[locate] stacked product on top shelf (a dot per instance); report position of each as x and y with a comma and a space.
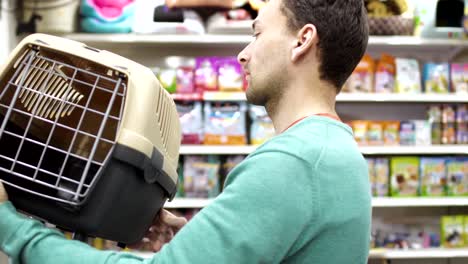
218, 123
421, 234
223, 123
445, 124
402, 75
202, 74
446, 232
386, 75
204, 176
411, 176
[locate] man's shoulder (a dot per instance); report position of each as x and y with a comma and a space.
296, 141
309, 140
302, 149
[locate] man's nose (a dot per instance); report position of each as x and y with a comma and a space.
242, 57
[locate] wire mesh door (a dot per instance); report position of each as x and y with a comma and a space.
59, 117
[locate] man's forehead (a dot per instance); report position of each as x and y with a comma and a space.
263, 13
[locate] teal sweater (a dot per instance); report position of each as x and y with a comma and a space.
302, 197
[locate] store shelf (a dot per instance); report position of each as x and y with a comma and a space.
415, 150
216, 150
376, 202
156, 39
366, 150
420, 202
224, 96
215, 40
402, 98
342, 97
415, 41
438, 253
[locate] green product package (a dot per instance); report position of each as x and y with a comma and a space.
457, 176
404, 179
433, 177
452, 231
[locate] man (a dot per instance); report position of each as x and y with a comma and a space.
302, 197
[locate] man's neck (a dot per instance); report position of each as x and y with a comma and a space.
299, 102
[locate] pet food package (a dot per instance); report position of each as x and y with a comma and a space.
191, 121
433, 177
381, 179
362, 78
435, 120
408, 77
201, 176
206, 76
385, 74
375, 133
262, 128
465, 228
225, 123
371, 171
360, 131
448, 125
452, 230
168, 79
229, 165
180, 184
457, 176
404, 179
232, 162
184, 77
391, 133
462, 124
459, 77
230, 75
422, 132
436, 78
407, 133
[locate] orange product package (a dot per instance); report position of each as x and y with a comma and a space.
375, 133
385, 74
360, 131
362, 78
391, 133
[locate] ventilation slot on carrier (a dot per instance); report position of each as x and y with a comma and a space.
45, 86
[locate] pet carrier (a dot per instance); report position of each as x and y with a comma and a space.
89, 141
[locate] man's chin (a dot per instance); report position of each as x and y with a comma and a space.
255, 98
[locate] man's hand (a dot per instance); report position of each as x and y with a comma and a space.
163, 229
3, 194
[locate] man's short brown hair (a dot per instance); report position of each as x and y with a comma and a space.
342, 30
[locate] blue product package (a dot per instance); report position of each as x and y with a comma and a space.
407, 133
436, 78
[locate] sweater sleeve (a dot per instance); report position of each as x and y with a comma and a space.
256, 219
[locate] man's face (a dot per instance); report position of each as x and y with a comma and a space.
266, 58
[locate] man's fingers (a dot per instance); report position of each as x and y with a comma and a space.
172, 220
3, 194
163, 230
157, 245
137, 246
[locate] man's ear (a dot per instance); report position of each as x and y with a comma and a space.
306, 39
